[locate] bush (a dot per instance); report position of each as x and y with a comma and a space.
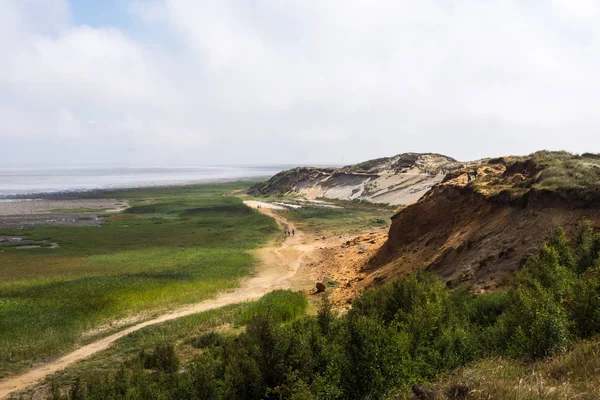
587, 246
376, 358
163, 359
535, 325
209, 339
584, 304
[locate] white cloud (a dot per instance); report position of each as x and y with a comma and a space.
306, 81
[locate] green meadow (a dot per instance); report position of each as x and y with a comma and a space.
172, 246
352, 217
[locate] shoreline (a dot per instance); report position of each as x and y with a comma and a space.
78, 208
78, 194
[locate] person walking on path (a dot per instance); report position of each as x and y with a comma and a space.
293, 232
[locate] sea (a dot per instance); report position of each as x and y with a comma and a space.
22, 183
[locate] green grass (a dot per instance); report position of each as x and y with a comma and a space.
544, 170
352, 217
565, 170
173, 246
281, 305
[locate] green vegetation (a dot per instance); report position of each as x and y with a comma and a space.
186, 334
559, 169
569, 375
279, 305
173, 246
543, 170
408, 332
351, 217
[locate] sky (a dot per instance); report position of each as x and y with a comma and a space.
209, 82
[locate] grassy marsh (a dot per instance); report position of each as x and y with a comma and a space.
173, 246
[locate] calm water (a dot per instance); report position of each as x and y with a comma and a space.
22, 181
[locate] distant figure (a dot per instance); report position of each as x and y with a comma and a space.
468, 177
293, 232
288, 232
475, 173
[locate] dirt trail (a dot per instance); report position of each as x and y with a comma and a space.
278, 264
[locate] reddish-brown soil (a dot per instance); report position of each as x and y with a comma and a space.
337, 263
468, 237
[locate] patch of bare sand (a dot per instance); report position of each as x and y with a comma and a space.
18, 214
337, 262
263, 205
43, 206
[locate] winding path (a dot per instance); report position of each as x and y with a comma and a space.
278, 264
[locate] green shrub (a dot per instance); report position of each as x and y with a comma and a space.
584, 304
209, 339
376, 358
561, 243
587, 246
163, 359
535, 325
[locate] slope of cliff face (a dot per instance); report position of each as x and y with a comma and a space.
398, 180
479, 232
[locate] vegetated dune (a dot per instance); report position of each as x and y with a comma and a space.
478, 233
401, 179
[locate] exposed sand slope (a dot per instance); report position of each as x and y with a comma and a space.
402, 179
278, 264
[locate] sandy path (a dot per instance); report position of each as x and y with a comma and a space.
278, 264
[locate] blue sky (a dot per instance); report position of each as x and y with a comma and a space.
188, 82
101, 13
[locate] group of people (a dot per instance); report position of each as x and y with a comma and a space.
258, 206
289, 232
471, 175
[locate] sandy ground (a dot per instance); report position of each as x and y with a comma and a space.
337, 262
43, 206
264, 206
18, 214
278, 264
